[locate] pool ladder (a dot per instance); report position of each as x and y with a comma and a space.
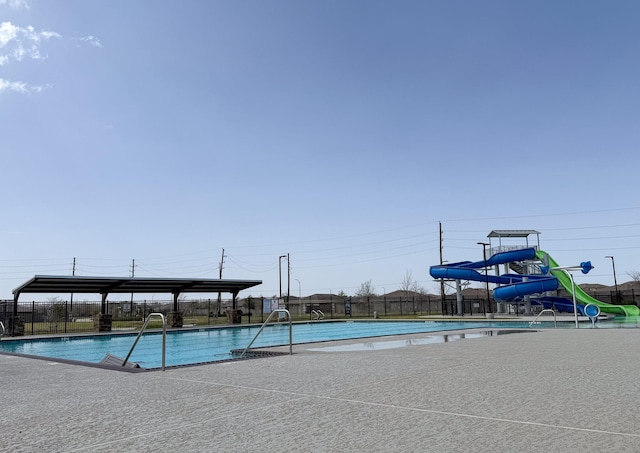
279, 310
164, 337
546, 310
316, 315
4, 330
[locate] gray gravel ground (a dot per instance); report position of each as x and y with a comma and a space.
558, 390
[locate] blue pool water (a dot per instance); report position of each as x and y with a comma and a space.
188, 347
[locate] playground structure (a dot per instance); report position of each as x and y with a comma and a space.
530, 277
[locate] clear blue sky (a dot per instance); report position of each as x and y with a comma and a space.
340, 132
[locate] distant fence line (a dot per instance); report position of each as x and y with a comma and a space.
64, 316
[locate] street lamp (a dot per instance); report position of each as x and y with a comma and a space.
288, 280
486, 274
280, 272
615, 281
585, 267
299, 293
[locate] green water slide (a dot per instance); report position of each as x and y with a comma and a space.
581, 296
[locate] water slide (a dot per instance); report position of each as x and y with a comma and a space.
581, 296
515, 285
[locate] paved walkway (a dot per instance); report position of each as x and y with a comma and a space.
559, 390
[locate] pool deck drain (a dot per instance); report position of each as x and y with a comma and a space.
554, 390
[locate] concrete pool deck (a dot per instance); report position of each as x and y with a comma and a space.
551, 390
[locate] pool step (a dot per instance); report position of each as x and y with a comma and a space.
110, 359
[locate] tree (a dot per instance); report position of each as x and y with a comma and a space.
635, 275
366, 289
410, 284
56, 313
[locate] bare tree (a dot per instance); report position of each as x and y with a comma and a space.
635, 275
410, 284
366, 289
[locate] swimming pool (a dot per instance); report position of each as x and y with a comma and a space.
188, 347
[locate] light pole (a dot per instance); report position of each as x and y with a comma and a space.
585, 267
486, 274
288, 280
299, 293
615, 281
280, 272
299, 289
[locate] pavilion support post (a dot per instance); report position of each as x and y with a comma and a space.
234, 316
102, 321
175, 317
17, 323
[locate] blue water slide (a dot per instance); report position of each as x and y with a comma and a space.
534, 285
464, 270
466, 273
508, 257
560, 304
515, 285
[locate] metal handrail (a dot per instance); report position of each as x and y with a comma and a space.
4, 329
317, 315
279, 310
546, 310
321, 315
164, 337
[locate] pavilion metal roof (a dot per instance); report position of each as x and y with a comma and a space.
105, 285
511, 233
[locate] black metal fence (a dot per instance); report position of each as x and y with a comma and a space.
64, 316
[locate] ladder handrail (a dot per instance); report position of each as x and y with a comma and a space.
547, 310
4, 329
164, 337
278, 310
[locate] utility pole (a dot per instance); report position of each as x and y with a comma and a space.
280, 275
133, 274
486, 275
442, 304
220, 266
73, 273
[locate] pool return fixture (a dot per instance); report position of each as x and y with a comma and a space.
288, 316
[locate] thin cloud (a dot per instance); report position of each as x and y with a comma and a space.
16, 4
19, 43
92, 40
21, 87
